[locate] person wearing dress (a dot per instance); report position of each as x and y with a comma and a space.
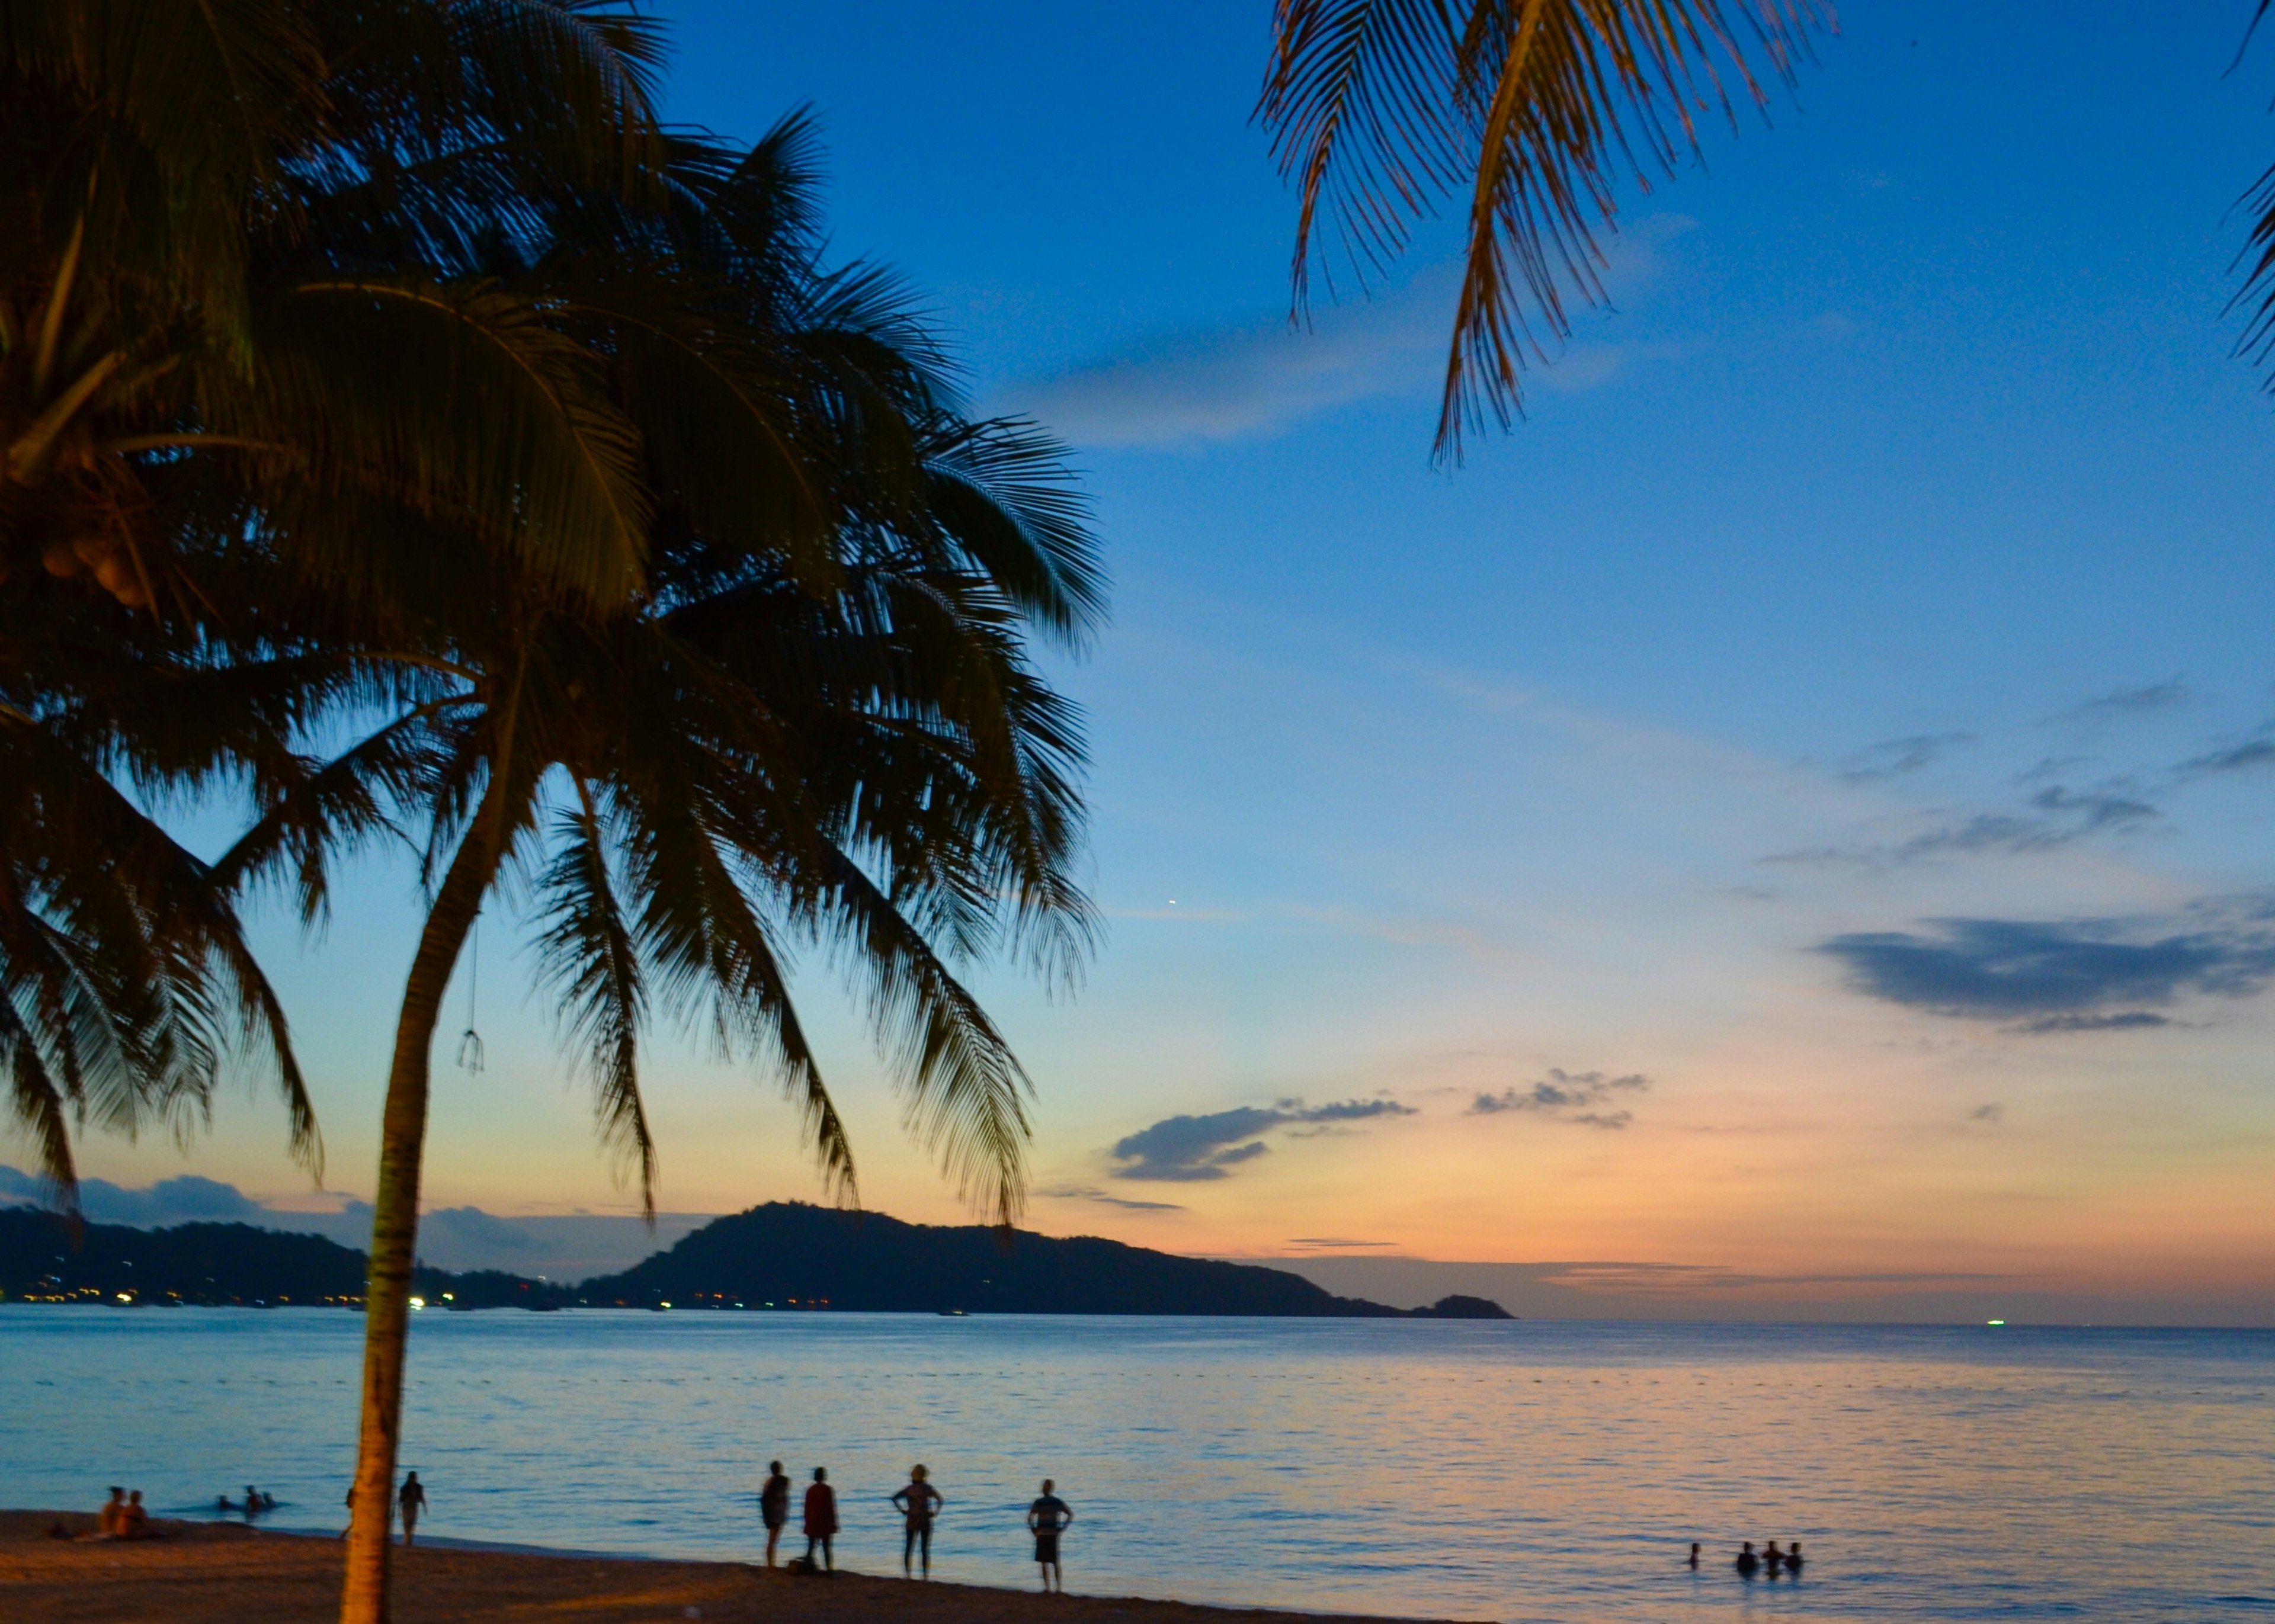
821, 1519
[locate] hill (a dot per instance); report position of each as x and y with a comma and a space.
785, 1255
792, 1254
41, 1259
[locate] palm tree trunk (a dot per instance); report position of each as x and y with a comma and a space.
395, 1219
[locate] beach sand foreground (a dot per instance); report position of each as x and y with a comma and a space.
220, 1574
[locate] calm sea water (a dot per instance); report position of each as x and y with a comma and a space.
1528, 1471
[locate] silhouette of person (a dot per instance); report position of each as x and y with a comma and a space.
133, 1521
821, 1519
774, 1507
252, 1502
1793, 1559
107, 1524
1773, 1558
918, 1503
412, 1501
1694, 1553
1047, 1520
1747, 1562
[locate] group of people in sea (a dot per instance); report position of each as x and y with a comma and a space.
919, 1502
254, 1504
1770, 1562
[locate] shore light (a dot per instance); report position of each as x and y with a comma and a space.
419, 1303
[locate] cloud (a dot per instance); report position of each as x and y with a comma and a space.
2124, 1020
1083, 1192
1258, 378
1992, 1112
1569, 1097
1897, 756
2060, 817
1330, 1243
186, 1199
2243, 758
1196, 1149
2056, 976
2170, 694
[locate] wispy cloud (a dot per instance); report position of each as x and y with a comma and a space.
2170, 694
2249, 755
1991, 1113
1084, 1192
2057, 816
1897, 758
1567, 1097
2056, 976
1259, 377
1184, 1149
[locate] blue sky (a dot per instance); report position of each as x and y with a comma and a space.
1895, 554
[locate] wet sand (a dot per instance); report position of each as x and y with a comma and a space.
222, 1574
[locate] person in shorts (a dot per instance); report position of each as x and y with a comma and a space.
409, 1503
774, 1507
1047, 1520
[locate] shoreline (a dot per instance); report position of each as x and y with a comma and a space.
221, 1573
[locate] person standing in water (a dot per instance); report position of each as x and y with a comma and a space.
917, 1502
774, 1507
1747, 1563
821, 1519
1773, 1558
1793, 1559
1694, 1553
1047, 1520
411, 1502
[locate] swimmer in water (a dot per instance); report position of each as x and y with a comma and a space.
1694, 1553
1793, 1559
1773, 1558
1747, 1563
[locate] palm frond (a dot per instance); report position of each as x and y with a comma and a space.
1536, 108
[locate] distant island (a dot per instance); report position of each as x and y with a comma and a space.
783, 1256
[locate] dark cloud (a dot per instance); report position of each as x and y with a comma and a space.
1083, 1192
2241, 759
1192, 1149
1569, 1097
2165, 696
2094, 810
2124, 1020
2046, 973
1332, 1243
1896, 758
1993, 1113
2059, 817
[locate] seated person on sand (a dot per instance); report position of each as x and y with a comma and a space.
133, 1521
106, 1523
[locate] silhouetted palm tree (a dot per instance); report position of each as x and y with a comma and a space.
233, 360
1529, 110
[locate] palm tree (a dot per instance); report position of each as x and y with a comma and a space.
1531, 109
231, 362
812, 722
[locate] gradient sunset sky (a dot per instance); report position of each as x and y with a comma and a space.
1799, 804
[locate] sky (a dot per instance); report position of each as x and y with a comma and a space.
1788, 825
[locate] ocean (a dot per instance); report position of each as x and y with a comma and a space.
1545, 1471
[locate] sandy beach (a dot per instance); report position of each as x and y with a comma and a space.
220, 1574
